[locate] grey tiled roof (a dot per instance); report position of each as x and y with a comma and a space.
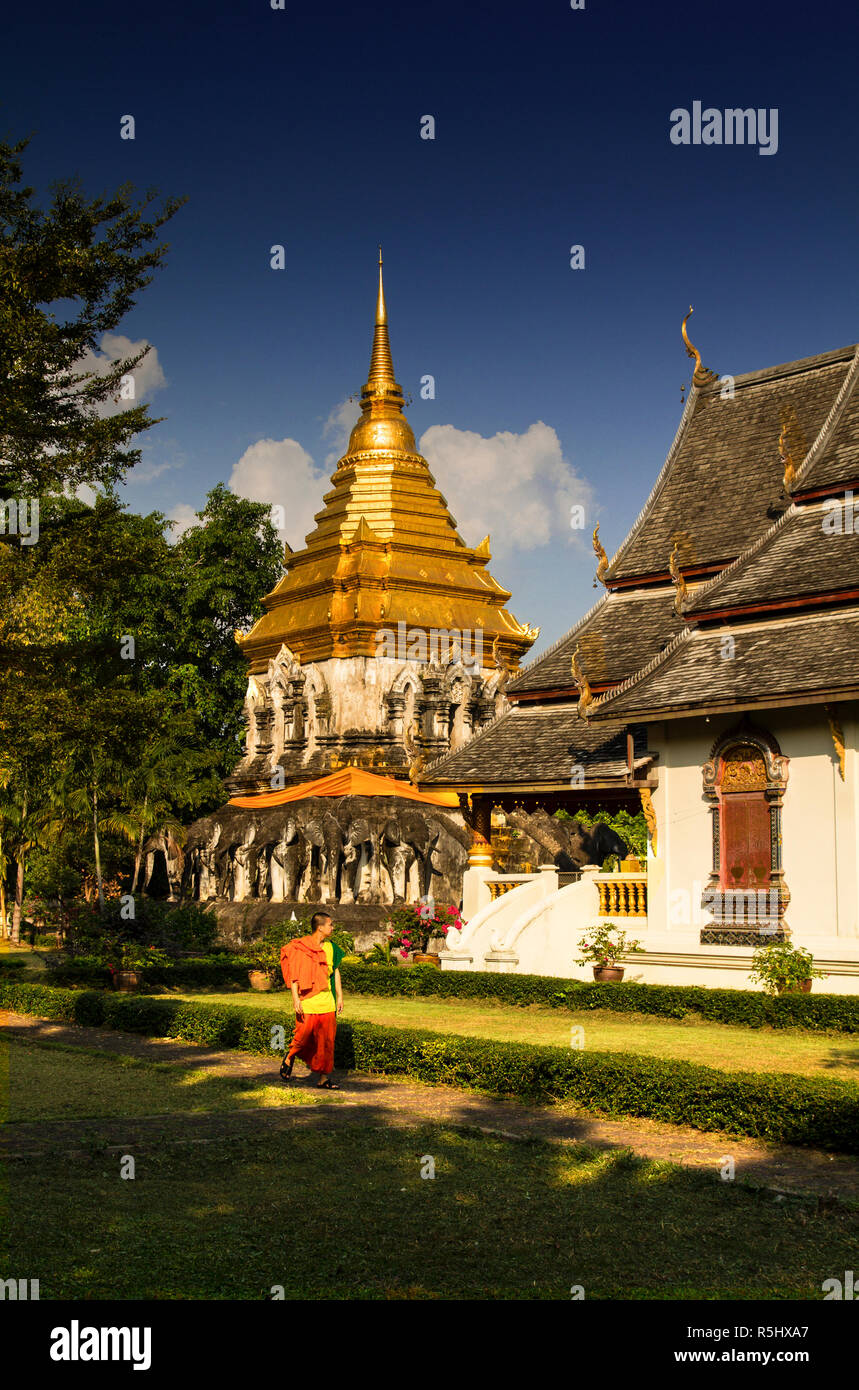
724, 470
777, 659
837, 459
797, 559
537, 743
620, 633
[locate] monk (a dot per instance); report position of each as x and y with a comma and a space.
310, 966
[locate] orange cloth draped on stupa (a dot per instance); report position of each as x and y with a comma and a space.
347, 781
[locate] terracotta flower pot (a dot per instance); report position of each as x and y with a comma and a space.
127, 981
260, 979
426, 958
804, 987
608, 974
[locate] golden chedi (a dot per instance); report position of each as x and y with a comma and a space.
387, 643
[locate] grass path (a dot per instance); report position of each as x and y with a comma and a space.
715, 1045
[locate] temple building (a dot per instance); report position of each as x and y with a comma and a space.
386, 643
715, 684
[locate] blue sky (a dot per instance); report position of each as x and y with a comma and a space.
302, 127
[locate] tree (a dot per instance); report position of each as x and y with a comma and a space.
224, 568
68, 273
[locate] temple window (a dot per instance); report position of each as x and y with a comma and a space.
744, 782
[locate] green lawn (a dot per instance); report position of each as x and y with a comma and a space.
713, 1044
501, 1219
50, 1081
230, 1219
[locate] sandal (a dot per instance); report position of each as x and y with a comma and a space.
286, 1069
327, 1085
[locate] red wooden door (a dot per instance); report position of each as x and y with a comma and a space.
746, 856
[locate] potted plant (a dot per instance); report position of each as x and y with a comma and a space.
128, 962
784, 969
603, 947
265, 963
412, 927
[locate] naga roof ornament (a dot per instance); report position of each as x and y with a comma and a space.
599, 551
702, 376
677, 580
586, 697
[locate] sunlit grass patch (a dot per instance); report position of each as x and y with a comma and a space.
51, 1081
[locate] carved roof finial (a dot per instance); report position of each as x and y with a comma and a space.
649, 815
837, 732
677, 580
785, 455
702, 376
415, 752
500, 665
599, 551
586, 698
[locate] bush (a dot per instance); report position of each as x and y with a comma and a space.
779, 1108
837, 1013
783, 1108
780, 967
171, 927
211, 972
279, 933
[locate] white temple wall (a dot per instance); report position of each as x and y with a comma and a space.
820, 821
680, 871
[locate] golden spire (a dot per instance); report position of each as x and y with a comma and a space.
385, 549
702, 376
381, 363
383, 428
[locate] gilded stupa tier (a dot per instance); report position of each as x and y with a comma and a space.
385, 550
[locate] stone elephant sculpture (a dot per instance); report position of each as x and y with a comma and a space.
164, 842
407, 840
322, 837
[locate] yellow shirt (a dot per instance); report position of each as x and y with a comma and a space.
323, 1002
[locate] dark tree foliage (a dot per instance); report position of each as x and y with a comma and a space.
68, 273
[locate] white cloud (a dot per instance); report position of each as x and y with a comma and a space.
337, 429
282, 473
115, 347
148, 472
517, 487
182, 517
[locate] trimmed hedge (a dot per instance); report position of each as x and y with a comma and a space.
203, 970
751, 1008
838, 1013
775, 1107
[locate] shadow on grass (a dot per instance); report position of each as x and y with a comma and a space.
229, 1205
842, 1057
